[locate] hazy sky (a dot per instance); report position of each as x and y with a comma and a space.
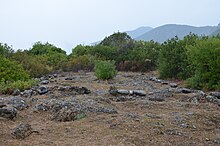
66, 23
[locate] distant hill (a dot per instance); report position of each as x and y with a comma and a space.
165, 32
138, 32
216, 32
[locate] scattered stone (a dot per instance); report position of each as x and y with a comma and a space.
153, 116
184, 90
153, 78
139, 92
27, 93
215, 94
216, 141
44, 82
123, 92
212, 98
158, 81
195, 101
132, 115
16, 92
173, 132
157, 98
17, 102
65, 115
42, 90
69, 78
79, 90
113, 90
164, 83
173, 85
8, 113
124, 98
22, 131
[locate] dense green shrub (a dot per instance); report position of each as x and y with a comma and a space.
11, 71
9, 87
105, 70
205, 59
5, 50
36, 66
77, 63
173, 58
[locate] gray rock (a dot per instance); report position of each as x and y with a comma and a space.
123, 92
27, 93
211, 98
195, 101
157, 98
44, 82
153, 79
184, 90
113, 90
158, 81
215, 94
139, 92
216, 141
65, 115
42, 90
17, 102
8, 113
173, 85
16, 92
22, 131
164, 83
153, 116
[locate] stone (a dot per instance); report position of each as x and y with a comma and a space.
184, 90
81, 90
44, 82
210, 98
16, 92
65, 115
123, 92
27, 93
42, 90
164, 83
113, 90
8, 113
17, 102
153, 116
215, 94
157, 98
22, 131
153, 78
139, 92
173, 85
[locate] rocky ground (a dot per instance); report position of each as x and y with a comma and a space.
132, 109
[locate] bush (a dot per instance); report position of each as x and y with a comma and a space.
9, 87
11, 71
204, 57
105, 70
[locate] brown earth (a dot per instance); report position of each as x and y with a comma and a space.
140, 122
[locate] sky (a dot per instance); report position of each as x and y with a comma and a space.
67, 23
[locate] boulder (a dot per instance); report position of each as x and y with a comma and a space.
16, 92
17, 102
42, 90
123, 92
8, 113
113, 90
65, 115
139, 92
215, 94
27, 93
173, 85
22, 131
44, 82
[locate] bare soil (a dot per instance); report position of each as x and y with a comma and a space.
140, 122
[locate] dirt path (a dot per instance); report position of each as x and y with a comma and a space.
140, 120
